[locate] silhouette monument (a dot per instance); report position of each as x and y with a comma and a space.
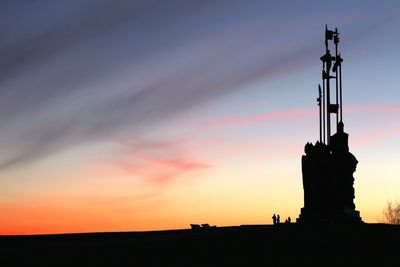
328, 166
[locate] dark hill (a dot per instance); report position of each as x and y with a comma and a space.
264, 245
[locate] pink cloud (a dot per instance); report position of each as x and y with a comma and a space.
159, 162
381, 131
299, 113
374, 136
245, 120
383, 108
159, 171
369, 137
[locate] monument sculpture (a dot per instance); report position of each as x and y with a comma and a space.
328, 166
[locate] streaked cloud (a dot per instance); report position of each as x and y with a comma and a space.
374, 136
245, 120
233, 121
156, 163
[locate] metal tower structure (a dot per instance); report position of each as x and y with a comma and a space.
330, 105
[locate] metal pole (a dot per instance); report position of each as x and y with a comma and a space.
320, 112
328, 117
328, 101
323, 107
337, 93
340, 84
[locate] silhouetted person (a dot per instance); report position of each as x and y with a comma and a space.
278, 219
289, 220
274, 219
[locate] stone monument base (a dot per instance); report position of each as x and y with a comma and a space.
347, 216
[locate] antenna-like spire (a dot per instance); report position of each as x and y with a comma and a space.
332, 106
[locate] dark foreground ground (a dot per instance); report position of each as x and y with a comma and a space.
283, 245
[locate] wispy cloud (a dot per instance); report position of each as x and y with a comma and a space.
299, 113
245, 120
378, 108
374, 136
157, 163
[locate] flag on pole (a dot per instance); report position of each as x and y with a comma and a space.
329, 35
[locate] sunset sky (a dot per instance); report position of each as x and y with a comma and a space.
144, 115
